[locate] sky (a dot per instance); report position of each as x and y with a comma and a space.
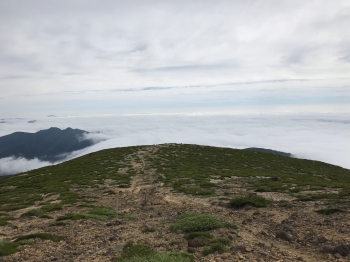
88, 59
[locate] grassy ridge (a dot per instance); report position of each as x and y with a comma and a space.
23, 190
186, 168
189, 168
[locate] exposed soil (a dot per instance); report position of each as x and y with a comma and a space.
258, 237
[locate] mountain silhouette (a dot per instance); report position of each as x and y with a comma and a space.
47, 145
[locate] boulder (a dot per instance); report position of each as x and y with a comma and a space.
198, 242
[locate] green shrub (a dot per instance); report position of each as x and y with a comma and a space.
131, 250
35, 213
58, 224
7, 247
144, 253
253, 200
25, 242
230, 225
198, 234
110, 192
329, 211
161, 257
148, 230
193, 222
100, 213
4, 220
52, 207
45, 236
214, 247
125, 216
221, 240
71, 216
314, 197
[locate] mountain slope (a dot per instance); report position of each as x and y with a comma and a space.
75, 201
45, 145
270, 151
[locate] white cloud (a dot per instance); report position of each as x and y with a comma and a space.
324, 137
11, 165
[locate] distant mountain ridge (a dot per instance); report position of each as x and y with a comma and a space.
270, 151
46, 145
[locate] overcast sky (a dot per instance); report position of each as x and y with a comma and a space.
84, 61
131, 55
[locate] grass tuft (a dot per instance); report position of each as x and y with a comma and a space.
214, 248
35, 213
148, 230
144, 253
197, 234
329, 211
7, 247
194, 222
45, 236
4, 220
252, 200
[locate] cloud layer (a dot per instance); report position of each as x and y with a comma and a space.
323, 137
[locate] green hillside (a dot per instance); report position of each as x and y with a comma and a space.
186, 168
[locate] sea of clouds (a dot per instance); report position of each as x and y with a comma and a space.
324, 137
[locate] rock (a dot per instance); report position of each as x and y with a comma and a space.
248, 249
328, 249
264, 233
145, 226
342, 250
322, 239
235, 231
225, 256
112, 239
191, 250
247, 221
263, 253
293, 216
240, 248
337, 255
284, 235
198, 242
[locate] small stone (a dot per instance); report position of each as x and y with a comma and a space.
191, 250
247, 221
263, 253
284, 235
264, 233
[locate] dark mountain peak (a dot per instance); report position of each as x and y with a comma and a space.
45, 144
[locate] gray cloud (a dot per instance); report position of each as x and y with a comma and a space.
104, 45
